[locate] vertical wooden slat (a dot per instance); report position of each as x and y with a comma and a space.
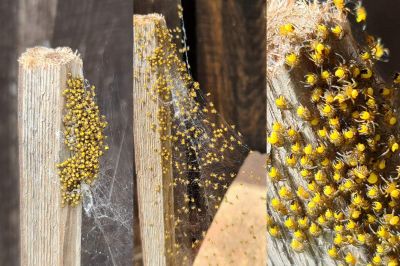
9, 232
237, 233
102, 33
155, 194
36, 20
76, 24
230, 62
50, 234
25, 23
381, 22
284, 82
168, 8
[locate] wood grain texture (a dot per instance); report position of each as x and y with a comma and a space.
102, 33
236, 235
9, 232
36, 20
168, 8
50, 234
19, 32
155, 195
281, 81
231, 63
279, 252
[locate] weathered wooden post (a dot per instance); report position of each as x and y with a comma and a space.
154, 174
288, 83
50, 233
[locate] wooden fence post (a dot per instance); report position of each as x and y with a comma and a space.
154, 177
230, 53
50, 233
288, 83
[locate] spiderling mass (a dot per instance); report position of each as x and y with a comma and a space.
84, 138
351, 172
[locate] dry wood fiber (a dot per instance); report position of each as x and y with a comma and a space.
155, 195
50, 234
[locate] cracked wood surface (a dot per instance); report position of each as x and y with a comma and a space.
50, 233
155, 194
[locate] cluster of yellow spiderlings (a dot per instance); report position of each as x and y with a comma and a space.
84, 139
201, 147
352, 185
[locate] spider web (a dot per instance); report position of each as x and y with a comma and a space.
206, 154
107, 205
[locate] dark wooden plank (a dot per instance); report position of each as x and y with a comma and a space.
383, 22
35, 23
231, 63
102, 33
9, 230
168, 8
25, 23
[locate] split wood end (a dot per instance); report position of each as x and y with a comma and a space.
140, 20
43, 56
305, 16
49, 233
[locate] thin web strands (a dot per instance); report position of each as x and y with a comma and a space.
107, 231
205, 156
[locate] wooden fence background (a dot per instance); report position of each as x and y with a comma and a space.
382, 21
227, 57
8, 139
227, 40
102, 32
230, 55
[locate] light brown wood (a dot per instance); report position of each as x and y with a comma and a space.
279, 252
237, 233
155, 193
50, 233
